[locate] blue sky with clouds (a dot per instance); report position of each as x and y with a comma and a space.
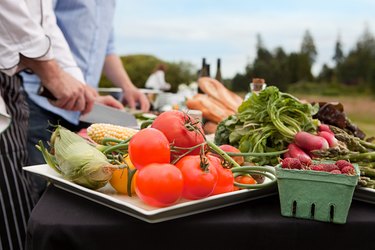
187, 30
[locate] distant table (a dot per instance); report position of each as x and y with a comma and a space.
62, 220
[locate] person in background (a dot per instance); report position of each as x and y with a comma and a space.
88, 29
157, 79
26, 31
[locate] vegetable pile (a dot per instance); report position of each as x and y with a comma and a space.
266, 122
160, 164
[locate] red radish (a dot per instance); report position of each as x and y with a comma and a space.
310, 142
286, 155
325, 127
330, 137
297, 152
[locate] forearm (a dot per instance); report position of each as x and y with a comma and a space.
115, 72
47, 70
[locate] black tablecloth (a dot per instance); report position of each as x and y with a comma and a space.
62, 220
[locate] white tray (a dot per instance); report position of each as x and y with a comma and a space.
133, 206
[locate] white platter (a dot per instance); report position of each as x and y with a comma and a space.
133, 206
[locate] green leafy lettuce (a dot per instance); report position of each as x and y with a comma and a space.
266, 122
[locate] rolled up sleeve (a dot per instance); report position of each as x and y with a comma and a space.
20, 34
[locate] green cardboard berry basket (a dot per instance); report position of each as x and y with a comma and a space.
315, 195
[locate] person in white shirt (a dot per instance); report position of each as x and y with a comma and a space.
157, 79
27, 28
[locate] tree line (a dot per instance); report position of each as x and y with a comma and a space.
356, 68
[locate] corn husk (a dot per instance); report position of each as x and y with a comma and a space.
76, 160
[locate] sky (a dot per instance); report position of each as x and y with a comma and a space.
188, 30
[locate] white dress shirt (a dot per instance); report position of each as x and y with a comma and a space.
28, 27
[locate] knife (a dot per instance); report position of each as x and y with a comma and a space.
101, 113
105, 114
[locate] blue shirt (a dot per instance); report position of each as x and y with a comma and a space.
88, 28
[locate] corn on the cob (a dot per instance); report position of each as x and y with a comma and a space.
98, 131
76, 160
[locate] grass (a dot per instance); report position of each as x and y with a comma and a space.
359, 109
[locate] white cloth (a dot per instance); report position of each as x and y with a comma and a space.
28, 27
157, 81
5, 118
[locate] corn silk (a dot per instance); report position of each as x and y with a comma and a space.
76, 160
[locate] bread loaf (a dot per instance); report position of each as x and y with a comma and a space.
220, 93
211, 109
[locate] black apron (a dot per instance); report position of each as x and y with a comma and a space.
15, 199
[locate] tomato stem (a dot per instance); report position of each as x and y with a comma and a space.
189, 150
223, 154
203, 160
192, 126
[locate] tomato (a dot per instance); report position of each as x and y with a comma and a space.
119, 180
228, 148
159, 185
174, 124
225, 179
147, 146
244, 179
198, 183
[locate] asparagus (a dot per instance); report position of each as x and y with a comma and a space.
353, 143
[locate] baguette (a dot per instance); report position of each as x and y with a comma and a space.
216, 90
211, 109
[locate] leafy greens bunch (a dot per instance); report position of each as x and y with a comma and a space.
266, 122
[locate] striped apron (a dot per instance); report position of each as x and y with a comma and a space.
15, 200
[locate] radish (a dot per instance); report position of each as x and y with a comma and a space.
325, 127
310, 142
330, 137
297, 152
286, 155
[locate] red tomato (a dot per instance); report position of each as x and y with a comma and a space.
225, 179
198, 183
244, 179
159, 185
228, 148
147, 146
174, 124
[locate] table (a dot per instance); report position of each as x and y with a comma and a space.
62, 220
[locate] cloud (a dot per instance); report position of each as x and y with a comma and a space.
172, 33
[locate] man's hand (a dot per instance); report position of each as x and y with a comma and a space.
132, 96
106, 100
70, 93
110, 101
